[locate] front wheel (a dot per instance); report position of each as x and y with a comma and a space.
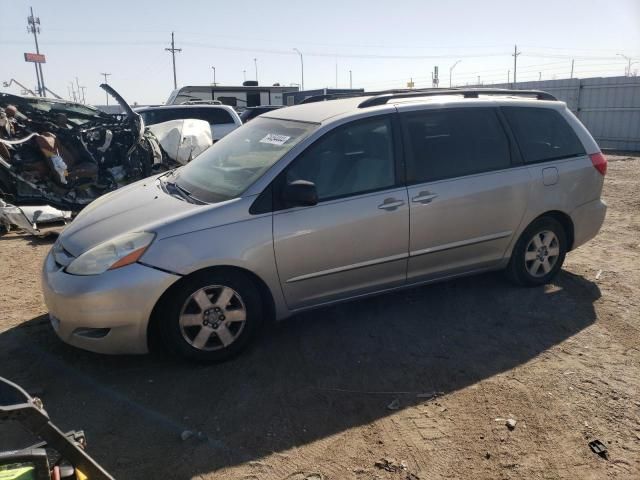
212, 316
539, 253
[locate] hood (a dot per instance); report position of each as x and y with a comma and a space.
141, 206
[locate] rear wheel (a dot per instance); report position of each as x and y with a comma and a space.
212, 316
539, 253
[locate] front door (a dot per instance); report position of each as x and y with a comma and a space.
467, 197
355, 239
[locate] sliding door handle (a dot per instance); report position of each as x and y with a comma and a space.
390, 204
424, 197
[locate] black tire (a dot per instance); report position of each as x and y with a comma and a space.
180, 339
519, 268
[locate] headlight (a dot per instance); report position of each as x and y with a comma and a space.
118, 252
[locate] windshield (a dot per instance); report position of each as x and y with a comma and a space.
227, 168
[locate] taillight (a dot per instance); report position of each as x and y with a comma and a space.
600, 162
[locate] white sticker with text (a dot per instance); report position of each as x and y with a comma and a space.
275, 139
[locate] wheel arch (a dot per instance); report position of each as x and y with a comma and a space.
564, 220
154, 340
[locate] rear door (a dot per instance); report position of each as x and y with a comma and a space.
354, 241
467, 192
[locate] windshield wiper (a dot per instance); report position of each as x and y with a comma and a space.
176, 190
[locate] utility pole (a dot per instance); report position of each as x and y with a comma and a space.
255, 64
301, 68
33, 26
627, 70
73, 92
451, 72
478, 80
571, 68
214, 76
539, 76
173, 51
515, 63
508, 77
106, 80
350, 80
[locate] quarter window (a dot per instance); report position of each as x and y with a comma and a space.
542, 134
453, 143
351, 159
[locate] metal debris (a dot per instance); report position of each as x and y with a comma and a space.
66, 154
28, 218
598, 448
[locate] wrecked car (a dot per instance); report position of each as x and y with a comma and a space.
64, 154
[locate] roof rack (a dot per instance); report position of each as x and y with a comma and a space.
337, 96
383, 98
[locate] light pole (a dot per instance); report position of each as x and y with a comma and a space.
301, 68
451, 71
350, 80
255, 63
214, 76
627, 71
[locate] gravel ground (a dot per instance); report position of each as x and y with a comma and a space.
346, 392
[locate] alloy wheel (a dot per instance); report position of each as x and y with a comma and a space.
542, 253
212, 318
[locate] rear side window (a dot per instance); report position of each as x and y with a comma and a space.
453, 143
213, 115
542, 134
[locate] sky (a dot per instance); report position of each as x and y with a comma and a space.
383, 43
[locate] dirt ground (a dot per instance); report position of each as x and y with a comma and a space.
344, 392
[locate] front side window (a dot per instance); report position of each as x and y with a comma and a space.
454, 142
351, 159
542, 134
232, 164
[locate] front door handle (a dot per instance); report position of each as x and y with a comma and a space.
390, 204
424, 197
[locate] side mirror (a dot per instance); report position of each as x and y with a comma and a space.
300, 193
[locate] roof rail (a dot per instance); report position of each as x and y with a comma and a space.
466, 92
337, 96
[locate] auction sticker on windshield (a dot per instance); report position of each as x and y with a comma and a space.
275, 139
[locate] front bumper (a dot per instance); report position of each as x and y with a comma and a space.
106, 313
587, 221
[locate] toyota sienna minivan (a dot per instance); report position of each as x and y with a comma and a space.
323, 202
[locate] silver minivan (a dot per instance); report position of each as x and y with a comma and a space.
323, 202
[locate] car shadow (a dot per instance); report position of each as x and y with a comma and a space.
310, 377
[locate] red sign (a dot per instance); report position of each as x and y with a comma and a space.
34, 57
